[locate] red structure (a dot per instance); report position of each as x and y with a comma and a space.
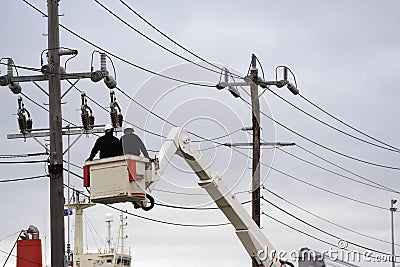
29, 253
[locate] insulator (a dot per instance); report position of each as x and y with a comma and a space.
103, 66
120, 119
114, 118
110, 82
96, 76
10, 64
85, 120
91, 120
22, 122
292, 88
48, 69
15, 88
29, 124
5, 80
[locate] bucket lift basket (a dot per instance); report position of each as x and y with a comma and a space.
119, 179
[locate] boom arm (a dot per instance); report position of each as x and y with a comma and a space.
252, 238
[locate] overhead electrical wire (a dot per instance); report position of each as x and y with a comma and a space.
324, 231
179, 193
173, 41
305, 233
105, 109
326, 190
44, 108
375, 184
23, 178
10, 156
275, 121
344, 169
312, 185
324, 219
4, 238
23, 162
338, 174
348, 125
334, 151
152, 219
163, 76
168, 205
333, 127
323, 146
170, 123
118, 57
21, 67
153, 41
290, 176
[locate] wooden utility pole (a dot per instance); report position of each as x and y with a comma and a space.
56, 147
256, 142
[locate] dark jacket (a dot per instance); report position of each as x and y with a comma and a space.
132, 144
108, 145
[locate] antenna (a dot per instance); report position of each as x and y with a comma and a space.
109, 220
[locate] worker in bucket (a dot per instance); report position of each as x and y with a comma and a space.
108, 144
131, 143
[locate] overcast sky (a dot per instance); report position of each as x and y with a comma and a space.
346, 59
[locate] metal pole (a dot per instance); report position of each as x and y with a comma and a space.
256, 143
56, 149
68, 200
393, 209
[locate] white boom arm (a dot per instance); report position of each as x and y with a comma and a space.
252, 238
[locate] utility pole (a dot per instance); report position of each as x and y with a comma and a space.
393, 209
255, 106
53, 74
56, 147
254, 81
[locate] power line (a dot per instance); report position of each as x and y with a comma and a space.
312, 185
4, 238
156, 220
168, 205
118, 57
323, 231
377, 185
10, 156
21, 67
23, 162
290, 176
105, 109
194, 208
24, 178
326, 190
173, 41
323, 146
332, 127
304, 233
338, 174
170, 123
326, 220
344, 169
41, 106
346, 124
153, 41
179, 193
